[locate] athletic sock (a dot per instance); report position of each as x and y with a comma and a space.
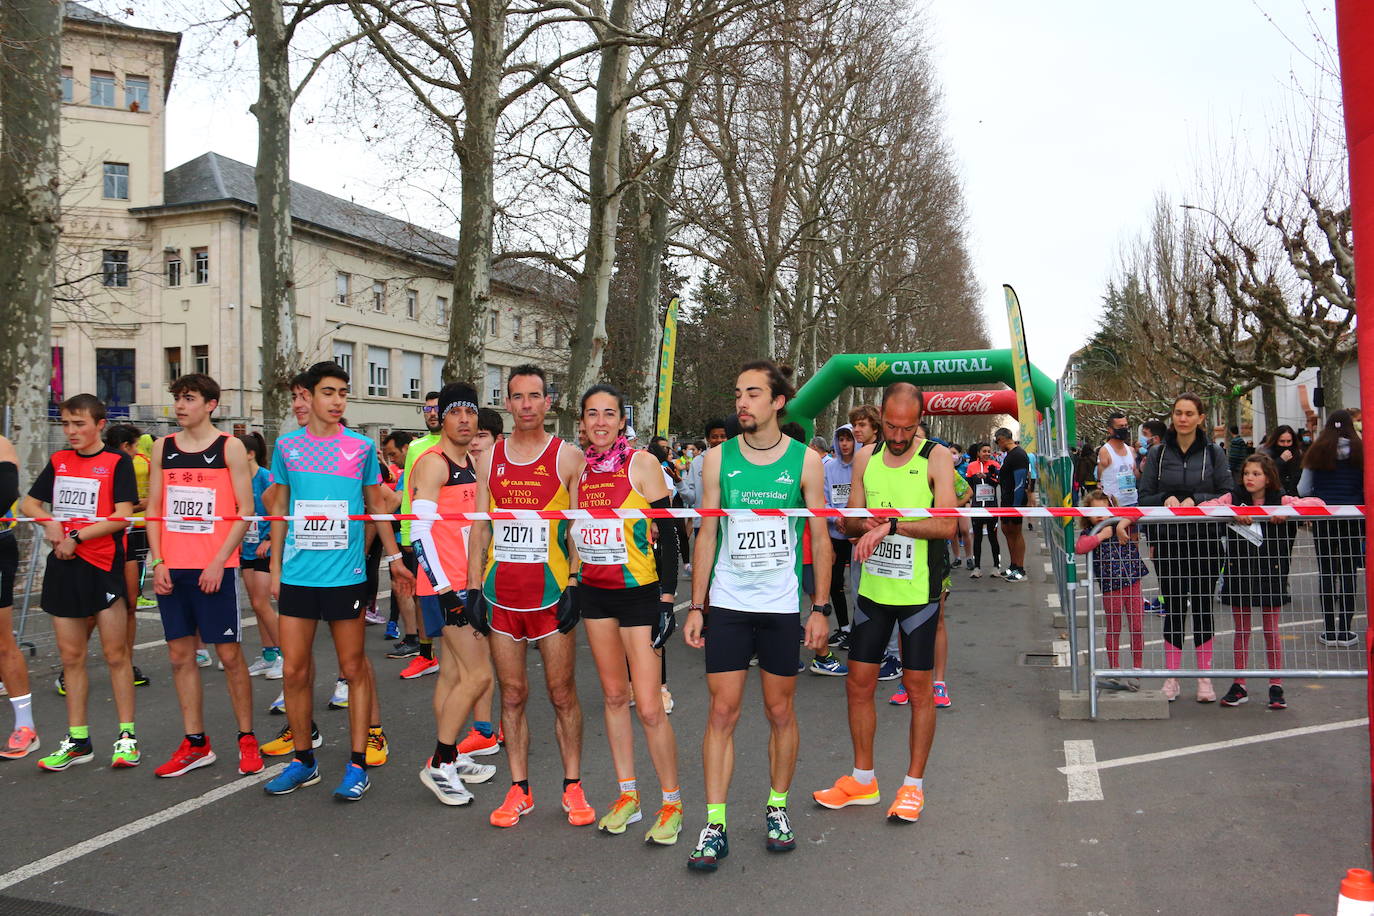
863, 776
917, 781
524, 785
715, 814
427, 649
628, 785
243, 735
486, 729
80, 733
197, 740
23, 711
445, 753
306, 757
270, 653
777, 799
127, 727
570, 782
375, 730
358, 758
672, 796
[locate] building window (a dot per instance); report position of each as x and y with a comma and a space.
410, 375
560, 337
378, 296
136, 93
68, 85
116, 181
114, 268
200, 358
495, 323
173, 364
343, 355
114, 378
412, 303
515, 324
493, 386
441, 309
341, 284
378, 372
102, 89
200, 258
539, 333
174, 269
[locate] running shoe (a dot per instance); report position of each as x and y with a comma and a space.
340, 698
830, 666
1205, 693
405, 648
377, 748
296, 776
125, 752
419, 666
843, 644
202, 658
1347, 638
62, 684
274, 668
969, 562
900, 698
1155, 606
285, 744
477, 744
1170, 689
780, 837
712, 846
976, 573
942, 700
393, 631
186, 758
623, 813
580, 813
278, 707
23, 742
140, 679
470, 770
668, 702
250, 756
354, 784
1276, 700
259, 667
68, 754
374, 616
848, 791
891, 668
667, 825
907, 807
444, 782
144, 602
1236, 696
518, 803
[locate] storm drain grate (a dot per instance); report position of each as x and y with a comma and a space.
1038, 659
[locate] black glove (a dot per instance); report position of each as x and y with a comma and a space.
477, 611
569, 610
665, 626
452, 606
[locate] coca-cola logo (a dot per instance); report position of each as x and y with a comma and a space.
969, 402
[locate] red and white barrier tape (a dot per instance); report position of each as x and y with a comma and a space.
1132, 512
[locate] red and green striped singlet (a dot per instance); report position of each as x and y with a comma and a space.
615, 553
527, 562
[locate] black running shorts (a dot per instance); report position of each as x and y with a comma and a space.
873, 624
733, 637
631, 607
339, 602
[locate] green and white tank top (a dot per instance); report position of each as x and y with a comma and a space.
902, 571
759, 559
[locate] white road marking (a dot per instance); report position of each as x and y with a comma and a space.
1052, 599
1080, 767
1081, 760
133, 828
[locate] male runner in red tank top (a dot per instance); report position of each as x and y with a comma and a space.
200, 471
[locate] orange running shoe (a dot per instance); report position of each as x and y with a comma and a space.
580, 814
518, 803
848, 791
907, 807
477, 744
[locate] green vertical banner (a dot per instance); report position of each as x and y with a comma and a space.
667, 352
1020, 363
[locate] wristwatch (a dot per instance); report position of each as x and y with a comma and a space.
892, 527
693, 606
823, 609
73, 534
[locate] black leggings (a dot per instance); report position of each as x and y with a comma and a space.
991, 525
839, 582
1187, 572
1340, 553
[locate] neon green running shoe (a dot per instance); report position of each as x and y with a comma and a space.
667, 825
69, 753
125, 751
623, 813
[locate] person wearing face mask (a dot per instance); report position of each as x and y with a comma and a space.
1185, 470
1151, 434
1116, 463
1282, 447
1332, 470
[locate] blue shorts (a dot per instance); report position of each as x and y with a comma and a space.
188, 610
433, 614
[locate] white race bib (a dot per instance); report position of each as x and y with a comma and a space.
984, 492
894, 558
75, 497
191, 501
520, 541
328, 534
760, 544
601, 543
839, 495
251, 535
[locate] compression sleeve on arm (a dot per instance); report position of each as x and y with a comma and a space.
665, 557
426, 550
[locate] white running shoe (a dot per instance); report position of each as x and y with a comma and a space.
274, 670
258, 667
202, 658
469, 770
443, 780
340, 698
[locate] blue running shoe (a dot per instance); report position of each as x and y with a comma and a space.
296, 775
891, 668
393, 631
355, 784
830, 665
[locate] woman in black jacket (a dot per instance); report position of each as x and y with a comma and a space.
1283, 447
1333, 469
1185, 470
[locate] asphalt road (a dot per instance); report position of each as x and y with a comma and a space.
1249, 829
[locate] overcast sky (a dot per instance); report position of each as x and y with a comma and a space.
1067, 117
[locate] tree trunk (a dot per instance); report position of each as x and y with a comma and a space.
1333, 395
604, 192
642, 356
1269, 399
30, 140
276, 259
467, 333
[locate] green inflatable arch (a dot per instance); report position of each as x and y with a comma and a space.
957, 367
